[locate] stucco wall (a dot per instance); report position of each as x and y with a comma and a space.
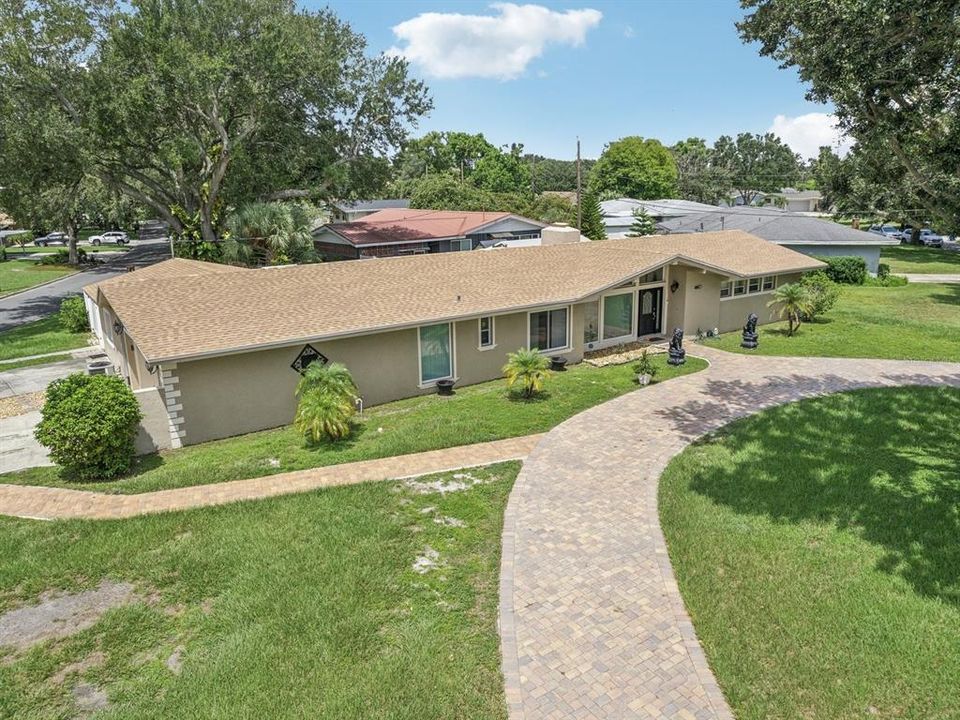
701, 301
734, 311
870, 253
154, 431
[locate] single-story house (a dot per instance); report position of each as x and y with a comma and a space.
618, 215
803, 233
214, 350
390, 232
344, 211
790, 199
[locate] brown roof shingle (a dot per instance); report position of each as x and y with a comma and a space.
171, 317
396, 225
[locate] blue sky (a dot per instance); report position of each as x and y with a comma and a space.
666, 69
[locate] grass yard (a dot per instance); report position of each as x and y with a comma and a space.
920, 260
913, 322
306, 606
17, 275
475, 414
15, 364
816, 548
37, 338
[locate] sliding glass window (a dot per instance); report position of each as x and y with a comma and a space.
548, 329
436, 355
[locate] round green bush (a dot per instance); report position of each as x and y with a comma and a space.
73, 315
89, 423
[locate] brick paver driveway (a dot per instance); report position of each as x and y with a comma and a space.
592, 624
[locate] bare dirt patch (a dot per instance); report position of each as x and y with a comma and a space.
59, 615
20, 404
459, 481
94, 659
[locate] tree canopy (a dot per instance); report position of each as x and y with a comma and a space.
891, 70
756, 163
636, 168
699, 175
187, 107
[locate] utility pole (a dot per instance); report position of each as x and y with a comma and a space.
579, 211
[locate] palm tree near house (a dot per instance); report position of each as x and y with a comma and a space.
326, 408
793, 301
528, 368
261, 233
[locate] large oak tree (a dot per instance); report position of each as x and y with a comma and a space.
189, 105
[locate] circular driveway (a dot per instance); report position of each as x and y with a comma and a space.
592, 623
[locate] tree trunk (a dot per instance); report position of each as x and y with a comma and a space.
74, 258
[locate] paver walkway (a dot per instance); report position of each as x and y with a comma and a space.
46, 503
592, 624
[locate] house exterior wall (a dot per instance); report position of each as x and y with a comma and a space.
701, 299
870, 253
733, 312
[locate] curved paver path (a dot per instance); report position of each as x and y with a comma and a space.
592, 624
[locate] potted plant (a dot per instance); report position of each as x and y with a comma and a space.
645, 369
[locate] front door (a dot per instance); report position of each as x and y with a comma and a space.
651, 309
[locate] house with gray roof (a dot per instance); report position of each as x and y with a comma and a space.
810, 235
618, 215
344, 211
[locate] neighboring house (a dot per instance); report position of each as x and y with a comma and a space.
387, 233
618, 215
350, 210
212, 350
809, 235
792, 200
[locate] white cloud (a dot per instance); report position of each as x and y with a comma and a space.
805, 134
451, 45
628, 31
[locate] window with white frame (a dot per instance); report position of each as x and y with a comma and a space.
549, 329
753, 286
486, 332
436, 353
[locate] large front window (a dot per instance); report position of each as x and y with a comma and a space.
548, 329
617, 315
436, 356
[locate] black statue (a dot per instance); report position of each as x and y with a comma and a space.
678, 356
750, 335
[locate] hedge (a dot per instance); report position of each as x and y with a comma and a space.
846, 269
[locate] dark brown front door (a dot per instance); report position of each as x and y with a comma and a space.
651, 310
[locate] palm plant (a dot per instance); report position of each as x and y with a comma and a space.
269, 233
528, 368
793, 301
327, 402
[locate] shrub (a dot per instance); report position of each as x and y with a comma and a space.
89, 423
888, 281
644, 365
326, 408
528, 368
73, 315
883, 271
823, 292
62, 257
846, 269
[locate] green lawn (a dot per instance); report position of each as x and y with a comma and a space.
816, 548
17, 275
5, 366
475, 414
305, 606
915, 322
920, 260
37, 338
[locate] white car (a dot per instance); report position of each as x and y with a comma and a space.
114, 236
929, 237
891, 232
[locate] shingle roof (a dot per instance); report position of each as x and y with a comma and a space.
777, 226
172, 318
174, 268
407, 225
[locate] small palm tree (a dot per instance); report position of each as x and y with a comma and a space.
327, 402
529, 368
269, 233
794, 302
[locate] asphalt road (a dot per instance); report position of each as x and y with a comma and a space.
40, 302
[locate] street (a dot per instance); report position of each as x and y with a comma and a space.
39, 302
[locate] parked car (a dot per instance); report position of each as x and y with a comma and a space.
888, 231
929, 237
906, 235
54, 238
114, 236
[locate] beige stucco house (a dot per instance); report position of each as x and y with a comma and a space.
212, 350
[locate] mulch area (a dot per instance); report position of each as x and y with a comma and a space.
20, 404
620, 354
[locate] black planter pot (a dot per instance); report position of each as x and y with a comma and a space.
445, 387
558, 364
